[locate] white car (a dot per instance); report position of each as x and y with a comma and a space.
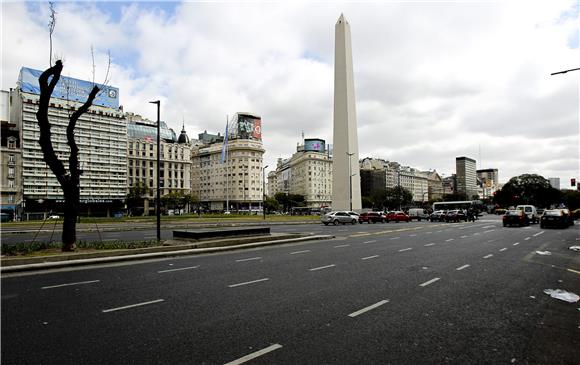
54, 216
339, 217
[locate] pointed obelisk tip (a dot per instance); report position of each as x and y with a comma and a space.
341, 19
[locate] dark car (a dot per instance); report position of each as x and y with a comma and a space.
371, 217
438, 215
397, 217
515, 217
558, 218
456, 215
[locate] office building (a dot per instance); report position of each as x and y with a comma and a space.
11, 159
466, 177
487, 180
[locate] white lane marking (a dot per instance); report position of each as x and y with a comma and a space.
249, 259
341, 246
476, 234
539, 233
449, 240
370, 257
517, 243
429, 232
490, 241
366, 309
485, 227
132, 306
321, 267
180, 269
487, 256
371, 241
491, 230
248, 282
254, 355
429, 282
463, 236
503, 249
429, 244
70, 284
405, 249
395, 238
527, 238
462, 267
297, 252
412, 235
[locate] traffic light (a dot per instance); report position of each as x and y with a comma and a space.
572, 182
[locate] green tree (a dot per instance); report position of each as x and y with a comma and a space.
571, 199
527, 189
135, 196
397, 196
271, 204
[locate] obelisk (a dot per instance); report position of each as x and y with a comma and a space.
345, 166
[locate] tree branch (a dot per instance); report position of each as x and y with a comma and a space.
73, 161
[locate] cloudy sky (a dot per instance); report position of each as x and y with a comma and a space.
433, 79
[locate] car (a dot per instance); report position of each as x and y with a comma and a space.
53, 216
531, 212
397, 216
455, 215
338, 217
371, 217
418, 214
438, 215
558, 218
515, 217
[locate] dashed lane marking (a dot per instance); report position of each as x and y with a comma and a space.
133, 306
412, 235
515, 244
248, 282
179, 269
395, 238
574, 271
366, 309
449, 240
297, 252
70, 284
321, 267
429, 244
370, 257
463, 236
462, 267
527, 238
405, 249
539, 233
249, 259
371, 241
341, 246
360, 235
256, 354
429, 282
487, 256
490, 230
503, 249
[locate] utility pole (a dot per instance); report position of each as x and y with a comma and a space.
264, 190
350, 175
158, 200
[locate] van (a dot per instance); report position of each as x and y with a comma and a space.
418, 214
530, 211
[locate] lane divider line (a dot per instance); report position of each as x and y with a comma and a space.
249, 259
366, 309
341, 246
133, 306
462, 267
248, 282
515, 244
449, 240
395, 238
70, 284
429, 282
429, 244
180, 269
503, 249
297, 252
370, 257
527, 238
574, 271
321, 267
371, 241
405, 249
539, 233
487, 256
256, 354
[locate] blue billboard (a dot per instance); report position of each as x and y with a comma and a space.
71, 89
313, 144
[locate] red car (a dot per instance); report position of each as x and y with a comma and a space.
398, 217
371, 217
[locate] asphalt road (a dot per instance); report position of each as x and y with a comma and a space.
417, 293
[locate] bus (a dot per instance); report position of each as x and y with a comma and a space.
463, 205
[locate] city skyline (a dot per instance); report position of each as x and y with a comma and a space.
481, 88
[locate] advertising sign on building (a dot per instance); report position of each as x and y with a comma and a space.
249, 126
314, 144
71, 89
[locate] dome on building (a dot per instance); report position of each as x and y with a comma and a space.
183, 138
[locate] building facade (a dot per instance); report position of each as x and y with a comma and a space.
11, 159
488, 180
554, 182
466, 177
411, 179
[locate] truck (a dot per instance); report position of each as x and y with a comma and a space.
418, 214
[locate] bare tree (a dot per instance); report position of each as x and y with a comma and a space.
69, 181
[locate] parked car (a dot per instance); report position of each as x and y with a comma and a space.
515, 217
338, 217
53, 216
558, 218
438, 215
397, 217
371, 217
418, 214
455, 215
531, 212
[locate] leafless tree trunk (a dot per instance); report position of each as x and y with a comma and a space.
69, 181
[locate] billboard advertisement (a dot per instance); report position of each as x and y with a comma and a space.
249, 127
314, 144
71, 89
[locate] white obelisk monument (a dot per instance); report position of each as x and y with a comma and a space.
345, 166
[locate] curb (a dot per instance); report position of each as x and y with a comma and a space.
193, 251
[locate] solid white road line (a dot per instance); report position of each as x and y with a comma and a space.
405, 249
321, 267
487, 256
341, 246
429, 244
517, 243
370, 257
132, 306
366, 309
371, 241
70, 284
297, 252
253, 355
503, 249
429, 282
181, 268
249, 259
539, 233
395, 238
462, 267
248, 282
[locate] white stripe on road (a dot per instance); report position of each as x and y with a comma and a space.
132, 306
462, 267
412, 235
70, 284
341, 246
539, 233
503, 249
249, 259
476, 234
527, 238
321, 267
395, 238
248, 282
463, 236
429, 244
254, 355
405, 249
182, 268
372, 241
517, 243
487, 256
449, 240
366, 309
297, 252
491, 230
485, 227
370, 257
429, 282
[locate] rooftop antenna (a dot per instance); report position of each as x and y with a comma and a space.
479, 157
302, 136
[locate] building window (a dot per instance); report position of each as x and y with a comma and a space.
10, 198
10, 158
10, 183
11, 172
11, 143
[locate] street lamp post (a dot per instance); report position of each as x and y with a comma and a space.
264, 190
158, 200
350, 175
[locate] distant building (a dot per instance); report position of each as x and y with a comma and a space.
466, 177
11, 158
434, 186
488, 181
372, 182
555, 182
